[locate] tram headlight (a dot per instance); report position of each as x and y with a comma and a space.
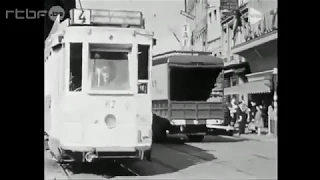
110, 120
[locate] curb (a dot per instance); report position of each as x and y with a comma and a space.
272, 140
263, 139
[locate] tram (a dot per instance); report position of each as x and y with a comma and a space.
97, 86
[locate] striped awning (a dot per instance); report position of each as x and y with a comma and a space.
255, 87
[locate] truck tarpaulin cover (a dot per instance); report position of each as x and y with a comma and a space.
192, 78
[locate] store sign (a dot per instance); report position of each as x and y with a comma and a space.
229, 4
186, 35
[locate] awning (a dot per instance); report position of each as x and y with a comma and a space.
255, 87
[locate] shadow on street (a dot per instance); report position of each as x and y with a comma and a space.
172, 156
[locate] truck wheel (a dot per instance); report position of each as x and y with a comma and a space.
159, 136
147, 155
195, 138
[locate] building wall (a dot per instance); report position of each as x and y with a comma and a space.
267, 59
206, 24
227, 35
226, 44
214, 26
263, 64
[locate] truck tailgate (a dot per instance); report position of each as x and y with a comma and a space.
196, 110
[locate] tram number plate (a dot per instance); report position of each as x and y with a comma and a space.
110, 104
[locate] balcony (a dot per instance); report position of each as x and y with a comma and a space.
262, 32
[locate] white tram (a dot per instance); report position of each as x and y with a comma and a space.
97, 86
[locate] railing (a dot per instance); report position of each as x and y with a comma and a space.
226, 18
267, 25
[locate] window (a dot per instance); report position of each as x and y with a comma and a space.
75, 79
143, 68
109, 66
234, 81
215, 15
143, 62
210, 17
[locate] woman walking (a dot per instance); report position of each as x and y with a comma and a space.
259, 119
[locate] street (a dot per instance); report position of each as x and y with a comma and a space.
218, 157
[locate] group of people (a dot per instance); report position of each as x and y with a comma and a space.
253, 117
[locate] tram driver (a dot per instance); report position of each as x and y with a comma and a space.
103, 73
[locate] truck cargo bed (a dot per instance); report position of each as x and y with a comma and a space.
188, 110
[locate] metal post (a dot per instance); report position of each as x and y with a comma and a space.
275, 99
275, 96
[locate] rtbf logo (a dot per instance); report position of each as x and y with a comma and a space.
36, 14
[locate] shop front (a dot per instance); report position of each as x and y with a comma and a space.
261, 88
258, 89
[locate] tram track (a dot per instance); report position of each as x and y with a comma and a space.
105, 170
62, 167
202, 159
113, 168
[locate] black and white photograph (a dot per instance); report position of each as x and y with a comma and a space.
160, 89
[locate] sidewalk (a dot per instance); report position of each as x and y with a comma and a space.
263, 137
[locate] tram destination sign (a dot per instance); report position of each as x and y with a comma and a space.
229, 4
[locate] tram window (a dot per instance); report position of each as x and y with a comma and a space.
109, 66
143, 62
75, 81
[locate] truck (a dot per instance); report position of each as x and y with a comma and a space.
182, 83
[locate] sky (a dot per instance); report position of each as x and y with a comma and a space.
160, 15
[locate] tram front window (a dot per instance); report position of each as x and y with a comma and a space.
109, 67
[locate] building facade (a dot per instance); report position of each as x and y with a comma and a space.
206, 34
256, 42
236, 66
250, 54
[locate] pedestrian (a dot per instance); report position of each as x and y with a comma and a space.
252, 113
259, 119
233, 111
242, 118
227, 114
264, 113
